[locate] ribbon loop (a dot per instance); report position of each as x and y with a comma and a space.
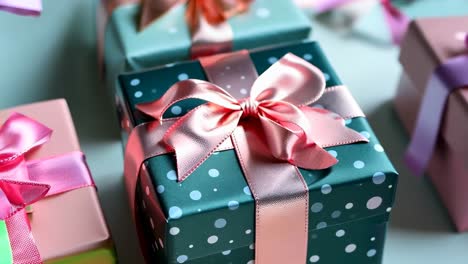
301, 84
20, 134
189, 89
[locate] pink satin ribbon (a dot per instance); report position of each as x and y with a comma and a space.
273, 131
22, 7
397, 21
23, 183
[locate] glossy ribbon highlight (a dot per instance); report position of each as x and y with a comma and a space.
23, 182
447, 78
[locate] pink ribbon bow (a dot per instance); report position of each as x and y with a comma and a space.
293, 131
23, 183
22, 7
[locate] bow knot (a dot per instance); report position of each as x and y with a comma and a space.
249, 107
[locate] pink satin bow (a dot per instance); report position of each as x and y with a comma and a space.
23, 183
279, 99
22, 7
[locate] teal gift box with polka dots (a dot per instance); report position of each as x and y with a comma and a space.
168, 39
209, 217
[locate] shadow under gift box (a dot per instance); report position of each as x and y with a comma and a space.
209, 217
428, 44
168, 40
68, 227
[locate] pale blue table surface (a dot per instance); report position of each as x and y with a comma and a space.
54, 56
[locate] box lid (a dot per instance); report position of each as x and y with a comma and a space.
213, 210
428, 43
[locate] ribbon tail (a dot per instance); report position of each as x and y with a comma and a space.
329, 129
23, 246
281, 197
19, 195
293, 147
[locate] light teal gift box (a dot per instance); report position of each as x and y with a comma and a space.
168, 39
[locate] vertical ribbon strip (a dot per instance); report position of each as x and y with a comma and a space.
446, 78
273, 132
23, 183
290, 193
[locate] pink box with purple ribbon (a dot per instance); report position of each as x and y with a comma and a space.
432, 102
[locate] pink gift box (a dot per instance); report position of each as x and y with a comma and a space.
68, 227
429, 43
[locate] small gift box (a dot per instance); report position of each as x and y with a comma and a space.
49, 206
432, 102
157, 32
262, 194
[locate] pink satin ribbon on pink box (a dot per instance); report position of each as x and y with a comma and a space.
23, 182
273, 132
397, 21
22, 7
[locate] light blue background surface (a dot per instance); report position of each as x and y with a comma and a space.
54, 56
